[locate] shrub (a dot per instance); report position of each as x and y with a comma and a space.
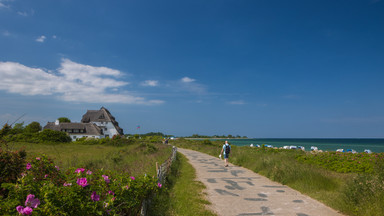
33, 127
76, 191
48, 135
11, 166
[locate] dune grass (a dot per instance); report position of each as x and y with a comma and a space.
350, 193
136, 158
184, 195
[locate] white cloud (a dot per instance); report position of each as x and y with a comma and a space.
151, 83
3, 5
25, 13
238, 102
74, 82
22, 13
190, 85
41, 39
6, 33
187, 80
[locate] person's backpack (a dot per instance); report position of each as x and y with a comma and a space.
227, 149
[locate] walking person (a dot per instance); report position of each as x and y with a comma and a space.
226, 150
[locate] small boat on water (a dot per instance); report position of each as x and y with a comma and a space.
292, 147
286, 147
340, 150
301, 148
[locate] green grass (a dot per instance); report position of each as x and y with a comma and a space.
136, 158
185, 195
350, 193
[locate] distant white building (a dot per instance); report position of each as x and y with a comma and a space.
104, 120
95, 124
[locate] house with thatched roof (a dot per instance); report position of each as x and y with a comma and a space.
95, 124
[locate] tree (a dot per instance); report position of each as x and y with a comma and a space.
33, 127
17, 128
64, 119
5, 130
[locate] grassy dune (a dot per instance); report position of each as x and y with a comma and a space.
351, 193
136, 158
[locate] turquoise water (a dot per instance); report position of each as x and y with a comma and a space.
375, 145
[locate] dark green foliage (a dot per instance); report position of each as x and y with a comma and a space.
12, 163
48, 135
64, 119
17, 128
33, 127
5, 130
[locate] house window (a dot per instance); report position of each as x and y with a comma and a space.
76, 131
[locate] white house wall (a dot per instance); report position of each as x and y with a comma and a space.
110, 128
76, 136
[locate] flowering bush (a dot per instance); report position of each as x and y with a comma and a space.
44, 190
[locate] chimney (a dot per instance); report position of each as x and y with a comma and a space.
57, 122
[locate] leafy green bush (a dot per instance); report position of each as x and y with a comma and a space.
11, 165
33, 127
48, 135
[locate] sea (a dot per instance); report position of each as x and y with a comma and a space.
359, 145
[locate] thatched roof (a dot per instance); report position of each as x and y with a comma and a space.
102, 115
89, 128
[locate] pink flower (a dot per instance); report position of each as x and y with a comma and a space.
82, 182
80, 170
24, 211
133, 178
20, 209
67, 184
29, 166
159, 185
58, 168
89, 172
37, 158
106, 178
95, 197
32, 201
27, 211
111, 192
127, 187
46, 175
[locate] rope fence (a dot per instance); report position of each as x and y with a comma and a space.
162, 172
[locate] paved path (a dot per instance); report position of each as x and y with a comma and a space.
238, 191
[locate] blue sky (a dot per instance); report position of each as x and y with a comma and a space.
256, 68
